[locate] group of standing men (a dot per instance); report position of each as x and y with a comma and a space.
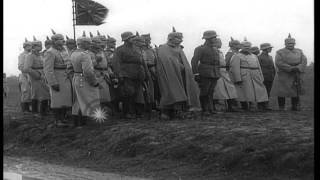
91, 73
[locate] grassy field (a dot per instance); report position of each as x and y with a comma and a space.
256, 145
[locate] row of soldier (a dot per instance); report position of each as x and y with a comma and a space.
133, 78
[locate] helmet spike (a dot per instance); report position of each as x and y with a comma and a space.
108, 36
91, 35
232, 39
289, 36
67, 37
98, 33
53, 32
137, 34
34, 38
84, 34
48, 38
25, 40
173, 29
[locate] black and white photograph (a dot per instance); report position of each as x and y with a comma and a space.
158, 90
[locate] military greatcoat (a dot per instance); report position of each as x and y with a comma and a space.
87, 95
55, 70
24, 82
246, 68
34, 68
283, 84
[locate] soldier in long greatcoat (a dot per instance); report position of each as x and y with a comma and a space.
290, 64
24, 83
112, 65
205, 64
55, 70
145, 96
34, 68
245, 72
85, 83
179, 91
225, 89
234, 49
101, 70
151, 60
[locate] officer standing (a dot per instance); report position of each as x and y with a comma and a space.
34, 68
55, 72
290, 63
85, 83
24, 82
205, 65
267, 66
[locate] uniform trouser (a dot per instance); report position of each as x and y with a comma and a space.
156, 91
173, 109
128, 92
207, 86
268, 85
59, 114
294, 102
231, 103
34, 106
25, 106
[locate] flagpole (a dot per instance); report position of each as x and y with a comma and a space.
73, 19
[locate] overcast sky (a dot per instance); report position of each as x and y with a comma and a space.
259, 20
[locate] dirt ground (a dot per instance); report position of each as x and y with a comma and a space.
255, 145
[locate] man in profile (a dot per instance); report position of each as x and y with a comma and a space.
179, 91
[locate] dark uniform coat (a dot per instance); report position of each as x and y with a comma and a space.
206, 62
267, 66
131, 69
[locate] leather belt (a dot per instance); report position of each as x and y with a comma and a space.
252, 68
138, 63
223, 66
78, 73
62, 68
37, 68
100, 69
210, 64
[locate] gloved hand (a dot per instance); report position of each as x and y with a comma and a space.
100, 86
238, 83
56, 87
98, 59
295, 69
197, 77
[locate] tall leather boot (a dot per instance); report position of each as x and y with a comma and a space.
23, 107
281, 103
43, 107
83, 120
244, 105
204, 103
295, 102
76, 120
34, 105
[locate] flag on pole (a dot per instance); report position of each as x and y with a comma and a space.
90, 12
